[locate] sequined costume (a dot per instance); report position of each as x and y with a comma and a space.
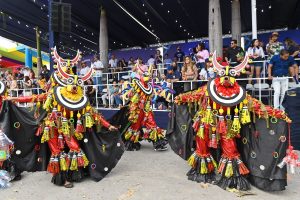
70, 119
141, 93
222, 108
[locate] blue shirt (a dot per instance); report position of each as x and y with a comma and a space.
281, 67
175, 75
179, 55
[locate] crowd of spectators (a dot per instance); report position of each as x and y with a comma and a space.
184, 71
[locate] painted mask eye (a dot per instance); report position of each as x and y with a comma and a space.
64, 64
70, 81
232, 72
222, 72
80, 82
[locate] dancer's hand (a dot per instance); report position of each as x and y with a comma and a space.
112, 128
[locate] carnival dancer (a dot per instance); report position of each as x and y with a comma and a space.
222, 110
71, 119
141, 93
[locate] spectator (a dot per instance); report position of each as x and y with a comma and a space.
167, 61
122, 65
84, 69
234, 53
274, 46
203, 74
294, 50
45, 73
161, 102
193, 52
151, 60
131, 63
27, 85
113, 64
13, 86
278, 69
98, 67
201, 56
158, 58
179, 55
90, 91
189, 73
173, 74
26, 71
257, 54
108, 95
117, 91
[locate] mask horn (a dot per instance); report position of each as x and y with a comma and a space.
55, 56
215, 63
88, 75
62, 72
77, 58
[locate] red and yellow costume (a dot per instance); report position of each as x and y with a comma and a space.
140, 93
222, 108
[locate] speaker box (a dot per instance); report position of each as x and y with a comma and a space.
60, 17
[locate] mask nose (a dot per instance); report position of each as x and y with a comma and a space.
74, 89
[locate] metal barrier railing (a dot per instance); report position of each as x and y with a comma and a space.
99, 96
108, 96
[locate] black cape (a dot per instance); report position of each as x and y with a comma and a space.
264, 172
103, 149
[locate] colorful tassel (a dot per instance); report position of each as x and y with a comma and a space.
222, 165
245, 115
213, 141
200, 132
53, 166
128, 134
79, 127
221, 126
60, 141
48, 102
68, 159
203, 168
74, 164
242, 167
88, 120
229, 169
65, 127
63, 163
191, 160
208, 119
80, 160
79, 136
153, 135
45, 136
210, 165
86, 161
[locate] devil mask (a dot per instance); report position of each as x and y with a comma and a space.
224, 89
69, 93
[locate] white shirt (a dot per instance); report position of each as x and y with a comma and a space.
211, 73
113, 63
258, 51
98, 68
151, 61
84, 71
203, 73
26, 72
